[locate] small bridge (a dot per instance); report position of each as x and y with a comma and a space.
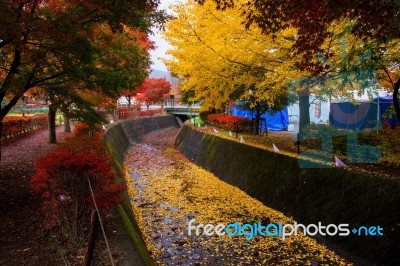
183, 110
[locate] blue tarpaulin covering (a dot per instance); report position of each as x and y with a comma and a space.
360, 116
347, 115
278, 120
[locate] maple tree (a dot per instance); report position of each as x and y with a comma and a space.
45, 41
94, 44
154, 90
145, 44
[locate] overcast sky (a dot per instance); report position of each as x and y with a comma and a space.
161, 44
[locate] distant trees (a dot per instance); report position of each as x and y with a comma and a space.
154, 90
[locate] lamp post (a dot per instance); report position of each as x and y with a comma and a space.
172, 103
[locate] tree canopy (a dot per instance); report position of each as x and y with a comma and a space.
219, 60
374, 19
252, 50
375, 22
154, 90
97, 45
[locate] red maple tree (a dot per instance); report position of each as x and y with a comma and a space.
154, 90
62, 181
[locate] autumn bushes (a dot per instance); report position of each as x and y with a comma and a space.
62, 180
228, 122
15, 126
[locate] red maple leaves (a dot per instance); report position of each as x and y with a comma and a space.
153, 90
62, 180
228, 122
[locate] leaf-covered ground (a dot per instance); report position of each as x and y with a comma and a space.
22, 232
167, 191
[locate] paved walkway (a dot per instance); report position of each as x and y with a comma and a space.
22, 225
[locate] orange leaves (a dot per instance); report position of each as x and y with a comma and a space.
142, 38
154, 89
12, 119
84, 130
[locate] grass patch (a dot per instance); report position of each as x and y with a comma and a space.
169, 151
197, 120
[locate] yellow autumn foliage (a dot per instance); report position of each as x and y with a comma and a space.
216, 57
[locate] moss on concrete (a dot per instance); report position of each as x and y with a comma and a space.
117, 140
130, 225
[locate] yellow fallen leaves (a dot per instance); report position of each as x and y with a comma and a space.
167, 191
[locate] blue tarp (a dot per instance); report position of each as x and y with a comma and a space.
360, 116
354, 116
278, 120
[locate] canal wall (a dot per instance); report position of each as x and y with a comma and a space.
330, 196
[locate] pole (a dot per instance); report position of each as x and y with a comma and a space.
101, 224
298, 143
172, 103
378, 109
1, 137
91, 239
237, 129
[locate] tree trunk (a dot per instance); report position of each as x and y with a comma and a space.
67, 127
258, 115
129, 102
304, 109
396, 99
1, 136
52, 124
